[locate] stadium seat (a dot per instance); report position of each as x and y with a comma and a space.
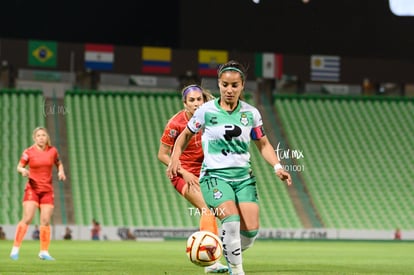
357, 153
20, 111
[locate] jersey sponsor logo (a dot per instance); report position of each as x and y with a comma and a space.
231, 131
213, 120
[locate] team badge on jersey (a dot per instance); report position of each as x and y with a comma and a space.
244, 120
217, 194
173, 133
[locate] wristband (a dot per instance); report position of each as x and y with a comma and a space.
277, 167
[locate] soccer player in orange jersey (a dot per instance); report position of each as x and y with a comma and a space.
186, 182
38, 193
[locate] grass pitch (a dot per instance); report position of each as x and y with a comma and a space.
168, 257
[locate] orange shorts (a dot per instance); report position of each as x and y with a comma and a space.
39, 198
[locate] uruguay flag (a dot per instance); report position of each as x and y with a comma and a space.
325, 68
99, 57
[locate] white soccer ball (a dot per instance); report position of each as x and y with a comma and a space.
204, 248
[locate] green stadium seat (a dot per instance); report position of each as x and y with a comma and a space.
359, 153
20, 112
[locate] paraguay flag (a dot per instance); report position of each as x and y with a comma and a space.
156, 60
99, 57
209, 60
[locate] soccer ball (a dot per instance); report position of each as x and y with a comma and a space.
204, 248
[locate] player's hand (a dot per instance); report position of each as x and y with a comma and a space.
173, 168
61, 176
191, 180
284, 176
25, 172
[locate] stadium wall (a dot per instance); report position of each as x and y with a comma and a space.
114, 233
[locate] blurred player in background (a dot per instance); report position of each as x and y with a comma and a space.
38, 193
226, 181
186, 181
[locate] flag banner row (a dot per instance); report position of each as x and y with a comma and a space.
159, 60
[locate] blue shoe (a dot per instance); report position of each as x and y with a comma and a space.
216, 268
14, 257
46, 257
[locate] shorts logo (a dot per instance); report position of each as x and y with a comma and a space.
217, 194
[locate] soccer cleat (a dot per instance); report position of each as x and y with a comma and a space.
46, 257
231, 272
14, 257
216, 268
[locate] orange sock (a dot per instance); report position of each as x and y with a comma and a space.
208, 223
44, 237
20, 233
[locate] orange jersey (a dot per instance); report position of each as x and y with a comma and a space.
40, 167
192, 157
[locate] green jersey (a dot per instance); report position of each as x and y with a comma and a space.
226, 138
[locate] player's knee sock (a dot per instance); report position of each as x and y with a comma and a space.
44, 237
208, 222
231, 243
20, 233
247, 238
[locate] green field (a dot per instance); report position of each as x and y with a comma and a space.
168, 257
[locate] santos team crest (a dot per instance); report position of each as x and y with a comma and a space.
217, 194
244, 120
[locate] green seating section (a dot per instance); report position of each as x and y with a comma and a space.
358, 158
20, 112
116, 177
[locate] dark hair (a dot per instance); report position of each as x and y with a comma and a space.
233, 65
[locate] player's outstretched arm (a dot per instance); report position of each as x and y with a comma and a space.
268, 153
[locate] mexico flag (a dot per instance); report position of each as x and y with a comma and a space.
268, 65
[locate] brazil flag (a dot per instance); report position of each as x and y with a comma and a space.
42, 53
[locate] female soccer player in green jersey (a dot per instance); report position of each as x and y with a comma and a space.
228, 185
